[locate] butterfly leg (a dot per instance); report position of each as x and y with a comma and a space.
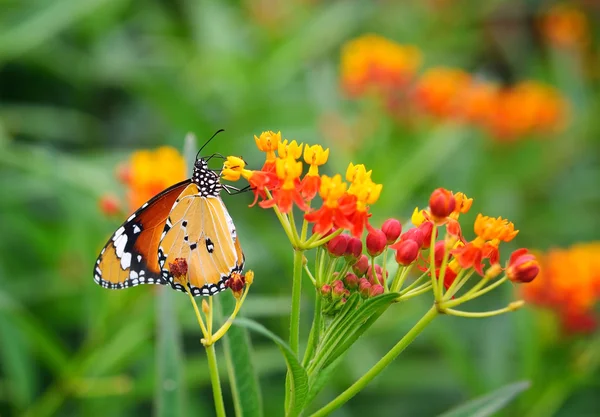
231, 190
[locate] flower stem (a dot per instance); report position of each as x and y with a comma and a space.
215, 381
296, 293
315, 331
379, 366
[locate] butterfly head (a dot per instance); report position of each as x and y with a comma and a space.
206, 179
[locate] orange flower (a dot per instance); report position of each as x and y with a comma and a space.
365, 191
234, 169
150, 172
565, 26
315, 156
494, 229
438, 89
337, 206
374, 62
288, 171
569, 285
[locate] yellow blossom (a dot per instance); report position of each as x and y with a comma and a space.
315, 156
292, 149
288, 170
332, 188
268, 142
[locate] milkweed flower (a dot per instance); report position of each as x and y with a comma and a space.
144, 180
372, 62
315, 156
565, 26
569, 285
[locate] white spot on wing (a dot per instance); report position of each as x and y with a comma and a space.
126, 260
120, 245
136, 229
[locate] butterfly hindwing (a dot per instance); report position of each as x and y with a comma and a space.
130, 257
200, 230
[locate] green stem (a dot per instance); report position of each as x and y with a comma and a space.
215, 381
379, 366
315, 331
296, 293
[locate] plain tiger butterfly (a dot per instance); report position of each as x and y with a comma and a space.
187, 220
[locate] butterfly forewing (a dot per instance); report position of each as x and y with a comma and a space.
200, 230
130, 257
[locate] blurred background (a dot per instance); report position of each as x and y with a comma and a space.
497, 99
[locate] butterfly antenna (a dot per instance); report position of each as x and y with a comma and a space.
208, 141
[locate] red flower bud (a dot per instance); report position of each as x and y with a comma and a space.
426, 229
236, 283
364, 287
440, 249
324, 234
442, 203
375, 279
375, 290
392, 229
407, 252
354, 249
376, 242
337, 246
415, 234
522, 266
351, 281
361, 266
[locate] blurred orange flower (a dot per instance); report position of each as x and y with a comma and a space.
565, 26
569, 284
374, 62
437, 90
150, 172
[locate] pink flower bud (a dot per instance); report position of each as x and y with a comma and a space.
407, 252
364, 287
337, 246
392, 229
442, 203
354, 249
351, 281
376, 290
337, 289
376, 242
361, 266
325, 291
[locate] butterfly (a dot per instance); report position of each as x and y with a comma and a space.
187, 220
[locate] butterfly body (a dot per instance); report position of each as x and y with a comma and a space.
186, 221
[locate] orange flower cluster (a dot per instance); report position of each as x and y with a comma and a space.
569, 285
565, 26
527, 108
445, 208
373, 62
281, 184
146, 174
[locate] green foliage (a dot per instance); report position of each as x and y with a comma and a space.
489, 404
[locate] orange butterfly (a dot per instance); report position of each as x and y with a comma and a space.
187, 220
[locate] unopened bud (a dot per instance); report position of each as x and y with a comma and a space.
205, 307
392, 229
493, 271
376, 242
337, 246
376, 290
426, 229
351, 281
522, 266
337, 289
361, 266
407, 252
249, 277
353, 250
441, 203
414, 234
364, 287
325, 291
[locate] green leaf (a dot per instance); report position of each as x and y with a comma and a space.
352, 321
170, 386
299, 379
242, 371
490, 403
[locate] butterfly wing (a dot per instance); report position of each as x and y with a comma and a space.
130, 257
200, 230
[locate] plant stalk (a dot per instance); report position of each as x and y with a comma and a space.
215, 381
379, 366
